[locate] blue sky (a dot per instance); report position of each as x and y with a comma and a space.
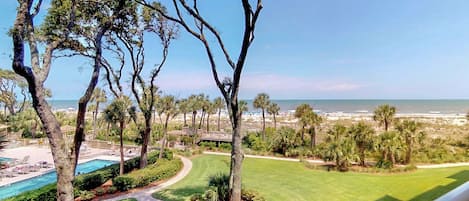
330, 49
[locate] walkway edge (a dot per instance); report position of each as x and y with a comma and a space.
145, 194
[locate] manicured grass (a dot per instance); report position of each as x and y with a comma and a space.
283, 180
129, 199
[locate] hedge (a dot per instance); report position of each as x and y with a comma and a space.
87, 181
162, 169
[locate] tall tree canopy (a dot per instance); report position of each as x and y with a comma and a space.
203, 31
384, 115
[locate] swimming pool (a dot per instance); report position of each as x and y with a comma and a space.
42, 180
5, 159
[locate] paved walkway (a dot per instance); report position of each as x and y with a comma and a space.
145, 194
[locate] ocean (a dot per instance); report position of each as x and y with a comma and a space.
346, 106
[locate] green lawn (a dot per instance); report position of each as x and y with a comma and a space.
282, 180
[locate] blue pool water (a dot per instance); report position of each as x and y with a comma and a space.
51, 177
4, 159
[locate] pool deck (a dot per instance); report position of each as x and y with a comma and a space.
37, 154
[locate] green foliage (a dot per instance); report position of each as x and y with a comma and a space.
100, 191
254, 142
208, 145
123, 183
251, 195
340, 148
284, 139
94, 179
48, 192
225, 146
384, 115
162, 169
111, 190
129, 199
86, 195
220, 183
219, 190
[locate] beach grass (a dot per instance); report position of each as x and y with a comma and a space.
283, 180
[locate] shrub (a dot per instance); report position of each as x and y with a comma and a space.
111, 190
163, 169
208, 145
92, 180
48, 192
220, 182
225, 146
251, 195
100, 191
86, 195
254, 142
123, 183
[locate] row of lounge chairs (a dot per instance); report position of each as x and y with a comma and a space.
19, 167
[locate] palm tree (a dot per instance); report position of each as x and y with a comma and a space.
340, 147
363, 135
184, 108
166, 105
204, 102
99, 96
384, 115
300, 111
409, 130
211, 109
194, 106
119, 111
273, 110
219, 105
262, 101
389, 144
313, 120
243, 106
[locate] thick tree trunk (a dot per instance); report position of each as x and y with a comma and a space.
236, 157
95, 118
185, 122
302, 134
146, 141
201, 119
275, 122
121, 146
219, 115
386, 125
362, 156
11, 109
194, 129
313, 137
263, 124
64, 162
165, 133
408, 152
393, 158
208, 123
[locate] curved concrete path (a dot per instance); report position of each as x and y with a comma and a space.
145, 194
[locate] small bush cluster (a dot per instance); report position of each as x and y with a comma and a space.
212, 146
219, 191
162, 169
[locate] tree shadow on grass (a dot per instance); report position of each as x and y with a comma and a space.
179, 194
388, 198
460, 178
